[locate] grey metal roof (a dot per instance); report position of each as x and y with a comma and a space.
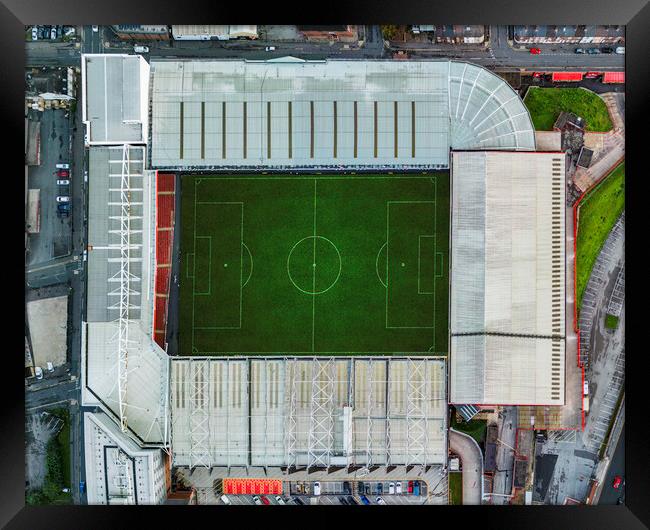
297, 114
114, 98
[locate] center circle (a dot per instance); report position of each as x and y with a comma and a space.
314, 265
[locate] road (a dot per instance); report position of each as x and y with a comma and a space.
616, 467
472, 461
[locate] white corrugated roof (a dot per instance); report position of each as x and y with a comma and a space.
330, 113
507, 277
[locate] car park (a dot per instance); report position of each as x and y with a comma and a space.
63, 198
391, 488
535, 51
316, 488
225, 499
380, 500
257, 500
279, 500
364, 500
398, 488
62, 182
34, 33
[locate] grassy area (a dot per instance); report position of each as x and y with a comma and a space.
611, 321
477, 429
455, 488
57, 476
314, 264
598, 213
545, 105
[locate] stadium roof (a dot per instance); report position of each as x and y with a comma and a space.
507, 280
119, 293
328, 114
115, 98
318, 412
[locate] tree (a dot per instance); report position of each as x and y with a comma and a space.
389, 32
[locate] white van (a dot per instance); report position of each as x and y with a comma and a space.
316, 488
141, 49
38, 372
225, 499
620, 50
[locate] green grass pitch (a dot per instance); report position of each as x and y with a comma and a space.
314, 265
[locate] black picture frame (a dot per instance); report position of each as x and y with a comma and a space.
15, 14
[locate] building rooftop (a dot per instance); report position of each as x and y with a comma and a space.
115, 98
289, 113
507, 278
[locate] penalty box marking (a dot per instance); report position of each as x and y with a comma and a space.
241, 262
388, 203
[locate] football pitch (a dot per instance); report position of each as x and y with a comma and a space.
314, 264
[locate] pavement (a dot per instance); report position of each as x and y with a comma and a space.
503, 475
53, 240
471, 459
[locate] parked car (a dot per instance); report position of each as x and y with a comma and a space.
352, 500
95, 29
398, 487
53, 33
63, 210
270, 48
343, 500
279, 500
63, 198
592, 51
366, 488
298, 500
62, 182
592, 75
265, 500
64, 173
580, 50
63, 166
34, 33
607, 50
364, 500
410, 487
316, 488
537, 75
617, 482
391, 488
141, 49
380, 488
82, 486
380, 500
416, 488
225, 499
38, 372
50, 367
620, 50
346, 487
535, 51
257, 500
